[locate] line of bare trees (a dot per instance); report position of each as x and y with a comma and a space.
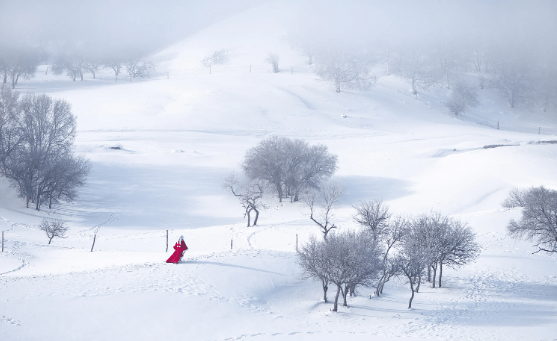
36, 148
523, 74
19, 60
414, 248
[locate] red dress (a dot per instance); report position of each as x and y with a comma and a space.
177, 255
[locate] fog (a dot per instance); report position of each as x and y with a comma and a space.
511, 46
143, 24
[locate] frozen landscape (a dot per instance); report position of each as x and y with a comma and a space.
160, 149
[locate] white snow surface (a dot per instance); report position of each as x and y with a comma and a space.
180, 137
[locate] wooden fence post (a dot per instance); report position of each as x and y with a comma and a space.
166, 240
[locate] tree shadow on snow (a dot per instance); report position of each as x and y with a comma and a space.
358, 188
232, 266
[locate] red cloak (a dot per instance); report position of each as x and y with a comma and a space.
177, 255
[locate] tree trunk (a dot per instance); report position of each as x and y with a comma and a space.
429, 273
335, 306
256, 217
344, 294
440, 272
50, 239
411, 288
249, 217
419, 282
434, 274
37, 206
325, 288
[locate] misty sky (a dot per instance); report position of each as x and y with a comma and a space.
148, 23
152, 24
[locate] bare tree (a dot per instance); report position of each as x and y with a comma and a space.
138, 67
218, 57
374, 216
539, 217
312, 258
54, 228
391, 240
352, 259
18, 61
458, 248
463, 97
321, 203
249, 193
343, 69
416, 68
71, 60
513, 81
42, 167
273, 59
10, 125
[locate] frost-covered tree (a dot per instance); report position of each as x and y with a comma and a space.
273, 59
513, 81
374, 216
138, 67
312, 258
417, 69
289, 166
539, 217
249, 193
321, 203
463, 97
43, 167
54, 228
18, 61
10, 125
344, 69
219, 57
347, 259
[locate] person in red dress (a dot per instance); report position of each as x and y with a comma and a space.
180, 248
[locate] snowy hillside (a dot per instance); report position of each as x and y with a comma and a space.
182, 132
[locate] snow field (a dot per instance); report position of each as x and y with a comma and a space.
180, 137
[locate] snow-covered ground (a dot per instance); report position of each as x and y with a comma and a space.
180, 137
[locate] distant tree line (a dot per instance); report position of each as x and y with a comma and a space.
37, 134
414, 248
20, 60
522, 70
